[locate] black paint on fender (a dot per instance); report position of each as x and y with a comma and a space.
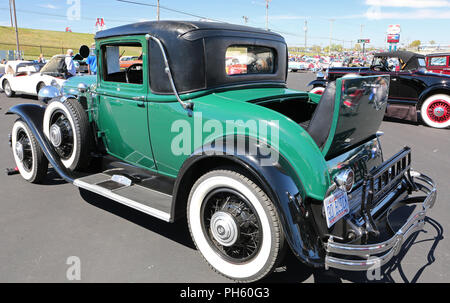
33, 115
315, 83
278, 180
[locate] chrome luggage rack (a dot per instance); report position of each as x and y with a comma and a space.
376, 186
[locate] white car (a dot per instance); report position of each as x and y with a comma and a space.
295, 66
28, 77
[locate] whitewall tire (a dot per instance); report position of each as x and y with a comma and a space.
435, 111
234, 225
318, 90
28, 155
67, 127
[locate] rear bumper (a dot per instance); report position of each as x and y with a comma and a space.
366, 257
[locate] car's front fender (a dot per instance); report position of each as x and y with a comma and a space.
33, 116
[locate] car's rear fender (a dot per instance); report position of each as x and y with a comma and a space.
318, 82
279, 181
33, 115
433, 90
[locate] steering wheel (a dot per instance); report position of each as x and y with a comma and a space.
379, 68
132, 68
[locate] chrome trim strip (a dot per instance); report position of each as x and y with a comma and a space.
125, 201
391, 246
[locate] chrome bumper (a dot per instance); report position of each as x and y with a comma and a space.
366, 257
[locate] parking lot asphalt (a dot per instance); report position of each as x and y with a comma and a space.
42, 226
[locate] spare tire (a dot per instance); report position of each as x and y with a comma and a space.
66, 125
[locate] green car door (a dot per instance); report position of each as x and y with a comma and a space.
122, 101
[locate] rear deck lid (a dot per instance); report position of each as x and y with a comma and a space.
360, 106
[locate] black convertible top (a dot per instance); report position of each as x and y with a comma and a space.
409, 58
404, 55
189, 30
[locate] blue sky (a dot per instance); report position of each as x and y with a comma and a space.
420, 19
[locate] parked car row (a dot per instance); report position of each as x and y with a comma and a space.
413, 88
312, 180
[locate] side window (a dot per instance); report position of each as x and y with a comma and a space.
245, 59
122, 63
438, 61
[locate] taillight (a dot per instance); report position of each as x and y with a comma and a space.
345, 179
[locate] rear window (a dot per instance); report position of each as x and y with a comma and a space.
438, 61
244, 60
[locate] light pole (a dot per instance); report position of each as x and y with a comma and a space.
267, 14
17, 32
306, 33
157, 11
10, 13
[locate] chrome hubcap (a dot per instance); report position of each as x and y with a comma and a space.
55, 135
19, 151
439, 111
224, 228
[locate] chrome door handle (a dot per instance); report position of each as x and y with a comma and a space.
139, 98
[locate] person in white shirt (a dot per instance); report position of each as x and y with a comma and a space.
71, 70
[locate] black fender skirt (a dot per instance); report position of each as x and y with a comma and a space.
33, 115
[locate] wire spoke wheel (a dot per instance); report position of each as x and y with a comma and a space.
234, 225
28, 155
231, 224
61, 134
439, 111
435, 111
23, 150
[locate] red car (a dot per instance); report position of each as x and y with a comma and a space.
439, 63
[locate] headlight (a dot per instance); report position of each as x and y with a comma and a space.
54, 83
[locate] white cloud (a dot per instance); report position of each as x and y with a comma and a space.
417, 14
48, 5
409, 3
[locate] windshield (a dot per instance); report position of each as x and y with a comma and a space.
422, 62
54, 65
28, 67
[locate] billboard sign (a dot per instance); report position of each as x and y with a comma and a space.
363, 40
393, 38
394, 29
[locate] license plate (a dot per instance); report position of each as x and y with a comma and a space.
336, 206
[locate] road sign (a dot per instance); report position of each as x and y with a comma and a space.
363, 40
393, 38
394, 29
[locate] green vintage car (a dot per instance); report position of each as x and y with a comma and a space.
205, 127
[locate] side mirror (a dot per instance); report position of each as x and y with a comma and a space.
48, 92
84, 51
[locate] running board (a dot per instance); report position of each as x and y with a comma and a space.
138, 195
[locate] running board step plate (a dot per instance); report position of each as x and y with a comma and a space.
141, 198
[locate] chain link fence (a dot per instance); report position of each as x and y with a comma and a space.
32, 52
